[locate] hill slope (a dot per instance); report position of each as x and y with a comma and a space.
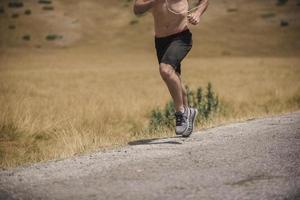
238, 27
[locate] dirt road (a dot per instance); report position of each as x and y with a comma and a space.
256, 159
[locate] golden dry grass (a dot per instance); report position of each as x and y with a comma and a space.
95, 87
55, 105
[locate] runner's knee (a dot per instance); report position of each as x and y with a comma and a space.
165, 70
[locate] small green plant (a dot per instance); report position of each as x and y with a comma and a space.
12, 27
15, 4
15, 15
26, 37
232, 10
45, 1
27, 12
207, 103
52, 37
281, 2
9, 132
284, 23
1, 10
48, 8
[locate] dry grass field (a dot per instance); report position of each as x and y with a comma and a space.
95, 87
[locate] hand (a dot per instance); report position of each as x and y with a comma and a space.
194, 18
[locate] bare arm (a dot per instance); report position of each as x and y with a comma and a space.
142, 6
202, 6
194, 17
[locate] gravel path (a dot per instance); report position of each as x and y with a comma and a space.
256, 159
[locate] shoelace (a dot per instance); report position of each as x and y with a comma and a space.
180, 118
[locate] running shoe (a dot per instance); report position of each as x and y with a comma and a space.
192, 119
182, 121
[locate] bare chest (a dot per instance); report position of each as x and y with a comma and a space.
170, 8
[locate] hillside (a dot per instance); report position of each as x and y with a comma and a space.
236, 28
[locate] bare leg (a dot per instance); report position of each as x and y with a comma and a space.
174, 85
184, 93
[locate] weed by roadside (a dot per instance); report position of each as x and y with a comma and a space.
206, 101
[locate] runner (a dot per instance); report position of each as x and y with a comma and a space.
173, 41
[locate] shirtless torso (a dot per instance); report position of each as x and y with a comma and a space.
167, 23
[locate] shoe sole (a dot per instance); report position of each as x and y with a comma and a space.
193, 124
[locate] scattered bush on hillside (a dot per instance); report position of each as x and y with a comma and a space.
26, 37
49, 8
281, 2
15, 4
284, 23
232, 10
1, 10
15, 15
12, 27
207, 103
45, 1
27, 12
52, 37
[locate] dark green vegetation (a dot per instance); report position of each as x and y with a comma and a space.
12, 27
26, 37
207, 103
15, 15
15, 4
232, 10
52, 37
268, 15
2, 10
27, 12
48, 8
281, 2
284, 23
45, 1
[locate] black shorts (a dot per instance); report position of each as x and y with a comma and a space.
173, 48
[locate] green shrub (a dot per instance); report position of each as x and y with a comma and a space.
232, 10
27, 12
12, 27
15, 15
284, 23
1, 10
15, 4
207, 103
49, 8
26, 37
52, 37
45, 1
281, 2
